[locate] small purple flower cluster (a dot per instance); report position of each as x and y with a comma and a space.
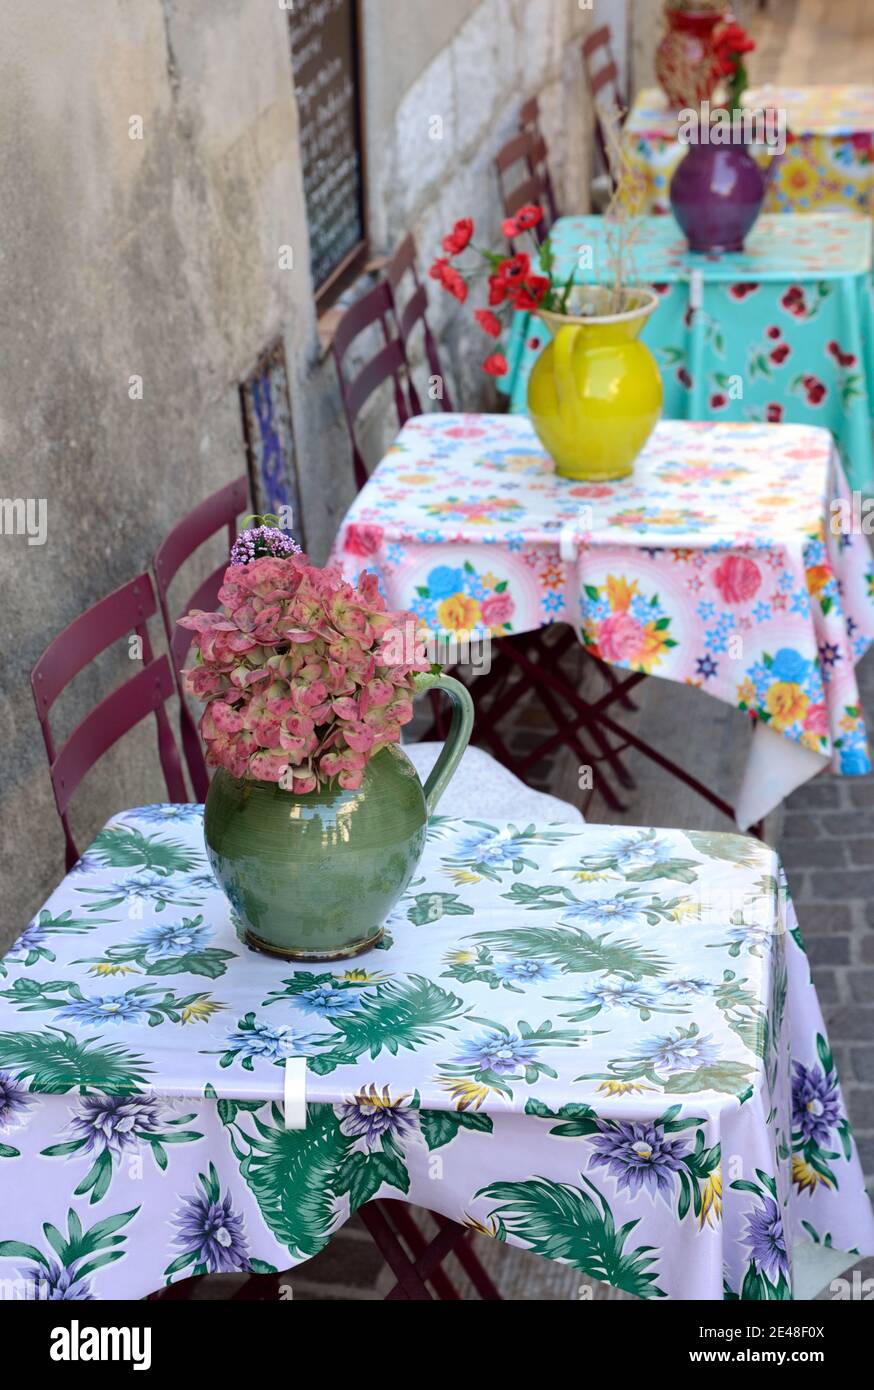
262, 540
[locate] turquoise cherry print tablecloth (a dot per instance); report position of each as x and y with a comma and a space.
788, 322
712, 565
598, 1043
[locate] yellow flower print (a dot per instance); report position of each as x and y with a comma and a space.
849, 722
798, 178
369, 1098
479, 1227
458, 613
459, 958
461, 876
817, 578
200, 1011
467, 1095
363, 977
623, 1088
620, 593
687, 910
711, 1200
654, 646
806, 1178
414, 479
786, 703
746, 692
111, 967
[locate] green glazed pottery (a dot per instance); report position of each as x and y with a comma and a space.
314, 876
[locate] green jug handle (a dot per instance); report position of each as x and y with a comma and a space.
458, 738
565, 381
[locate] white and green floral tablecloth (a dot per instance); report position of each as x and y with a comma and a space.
601, 1044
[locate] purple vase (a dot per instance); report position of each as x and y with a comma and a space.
716, 195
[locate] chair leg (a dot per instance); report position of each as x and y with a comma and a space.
386, 1220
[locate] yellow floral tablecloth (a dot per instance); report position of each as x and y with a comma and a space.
829, 160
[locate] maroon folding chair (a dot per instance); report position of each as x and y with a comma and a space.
410, 310
121, 613
602, 76
521, 181
374, 311
529, 124
216, 513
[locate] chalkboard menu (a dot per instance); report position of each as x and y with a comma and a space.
324, 59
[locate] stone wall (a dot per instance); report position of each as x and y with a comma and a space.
157, 259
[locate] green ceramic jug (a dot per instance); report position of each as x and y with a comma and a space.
314, 877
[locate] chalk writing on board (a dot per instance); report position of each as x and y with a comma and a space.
324, 58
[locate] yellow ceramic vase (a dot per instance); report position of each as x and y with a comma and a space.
595, 392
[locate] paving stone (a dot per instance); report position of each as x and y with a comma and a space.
827, 987
860, 851
853, 1021
812, 853
798, 825
865, 1144
866, 949
862, 794
816, 918
828, 950
844, 823
860, 1103
862, 1063
839, 885
862, 986
817, 795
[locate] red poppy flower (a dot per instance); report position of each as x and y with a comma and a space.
513, 270
526, 218
529, 295
496, 364
459, 237
488, 322
449, 278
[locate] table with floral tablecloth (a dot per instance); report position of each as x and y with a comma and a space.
829, 159
715, 565
783, 331
598, 1043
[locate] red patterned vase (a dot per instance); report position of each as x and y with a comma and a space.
684, 58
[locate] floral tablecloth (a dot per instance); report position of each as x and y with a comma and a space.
712, 565
829, 159
601, 1044
782, 332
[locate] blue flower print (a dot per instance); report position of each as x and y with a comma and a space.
444, 581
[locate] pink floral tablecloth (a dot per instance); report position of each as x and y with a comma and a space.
714, 565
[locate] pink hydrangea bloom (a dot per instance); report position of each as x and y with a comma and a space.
299, 674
